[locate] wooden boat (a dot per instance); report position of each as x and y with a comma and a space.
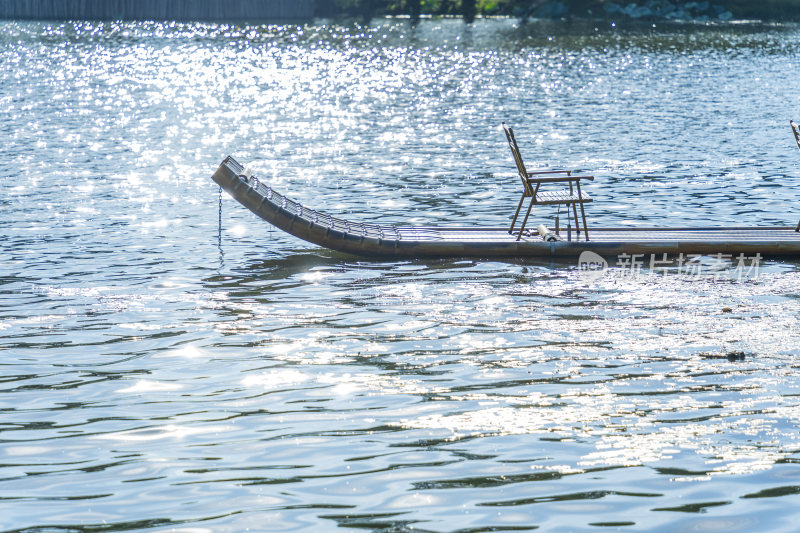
404, 241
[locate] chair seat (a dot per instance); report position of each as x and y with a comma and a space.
561, 197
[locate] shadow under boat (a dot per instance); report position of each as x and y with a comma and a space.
406, 241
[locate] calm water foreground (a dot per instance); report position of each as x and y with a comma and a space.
161, 373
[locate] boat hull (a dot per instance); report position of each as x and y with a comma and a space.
400, 241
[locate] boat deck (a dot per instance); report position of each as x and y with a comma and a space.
598, 235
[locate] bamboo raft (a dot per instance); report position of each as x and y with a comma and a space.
404, 241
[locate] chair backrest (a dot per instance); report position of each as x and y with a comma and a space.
523, 173
796, 131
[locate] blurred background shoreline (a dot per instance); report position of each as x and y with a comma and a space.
259, 11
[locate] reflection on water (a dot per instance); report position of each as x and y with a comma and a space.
157, 374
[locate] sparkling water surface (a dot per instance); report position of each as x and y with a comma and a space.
161, 372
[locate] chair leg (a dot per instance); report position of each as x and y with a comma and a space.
514, 221
585, 226
525, 221
583, 212
577, 224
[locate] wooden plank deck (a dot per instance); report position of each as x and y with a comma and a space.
607, 235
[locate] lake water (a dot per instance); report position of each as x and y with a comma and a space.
161, 372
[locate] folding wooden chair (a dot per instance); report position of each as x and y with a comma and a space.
533, 181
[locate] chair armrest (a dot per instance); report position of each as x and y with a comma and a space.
560, 179
549, 172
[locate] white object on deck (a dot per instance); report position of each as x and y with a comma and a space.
547, 234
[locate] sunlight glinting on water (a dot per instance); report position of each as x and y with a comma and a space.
170, 366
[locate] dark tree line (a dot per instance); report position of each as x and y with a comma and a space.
469, 9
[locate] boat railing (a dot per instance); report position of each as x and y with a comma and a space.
312, 216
